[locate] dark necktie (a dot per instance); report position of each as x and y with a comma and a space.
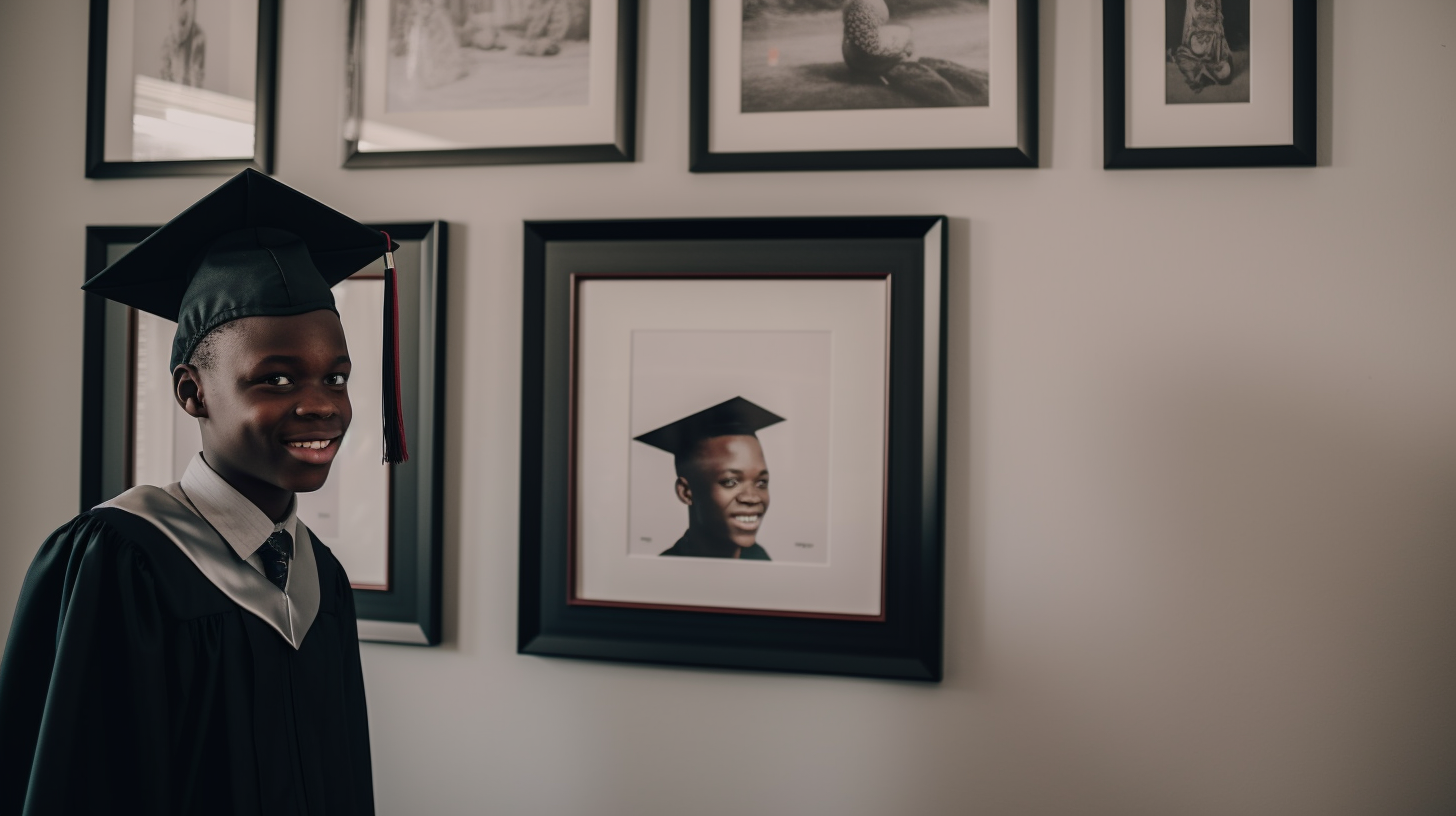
276, 552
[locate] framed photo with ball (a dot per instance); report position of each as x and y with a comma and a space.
731, 447
862, 84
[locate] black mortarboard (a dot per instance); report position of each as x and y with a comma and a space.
736, 417
252, 247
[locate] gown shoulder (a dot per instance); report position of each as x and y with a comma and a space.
125, 661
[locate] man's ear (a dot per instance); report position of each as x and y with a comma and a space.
187, 389
684, 491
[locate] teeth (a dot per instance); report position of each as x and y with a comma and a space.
745, 519
316, 445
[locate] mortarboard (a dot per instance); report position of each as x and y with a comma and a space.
253, 247
735, 417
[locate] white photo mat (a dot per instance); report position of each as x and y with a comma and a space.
732, 131
1266, 119
854, 313
380, 131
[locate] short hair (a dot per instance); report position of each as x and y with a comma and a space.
204, 356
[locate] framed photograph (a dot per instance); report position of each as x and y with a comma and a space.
180, 87
440, 82
862, 84
383, 523
1208, 83
670, 367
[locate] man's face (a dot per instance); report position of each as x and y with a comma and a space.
728, 494
276, 404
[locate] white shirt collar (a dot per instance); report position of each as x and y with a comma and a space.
240, 523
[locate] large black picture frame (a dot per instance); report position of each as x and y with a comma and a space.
907, 251
408, 610
1118, 156
265, 98
702, 159
622, 147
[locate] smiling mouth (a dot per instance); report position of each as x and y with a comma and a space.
747, 521
317, 444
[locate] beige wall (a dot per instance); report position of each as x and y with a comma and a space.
1202, 456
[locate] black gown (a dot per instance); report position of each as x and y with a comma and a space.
693, 545
130, 684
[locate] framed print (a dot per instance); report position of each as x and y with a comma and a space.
383, 523
1208, 83
180, 87
670, 367
862, 84
440, 82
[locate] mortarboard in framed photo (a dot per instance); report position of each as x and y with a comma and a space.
731, 447
862, 84
180, 87
1208, 83
454, 82
383, 523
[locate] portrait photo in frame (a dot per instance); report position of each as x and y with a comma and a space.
384, 523
1208, 83
180, 87
670, 368
454, 82
862, 85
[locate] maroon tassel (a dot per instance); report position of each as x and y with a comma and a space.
395, 450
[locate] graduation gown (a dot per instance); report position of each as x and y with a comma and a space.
132, 684
693, 545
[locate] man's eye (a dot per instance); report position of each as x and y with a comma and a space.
729, 483
278, 379
337, 379
763, 484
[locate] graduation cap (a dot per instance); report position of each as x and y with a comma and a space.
736, 417
252, 247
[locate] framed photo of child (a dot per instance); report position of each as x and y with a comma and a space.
863, 84
180, 87
382, 523
439, 82
732, 422
1208, 83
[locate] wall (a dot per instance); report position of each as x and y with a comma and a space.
1202, 461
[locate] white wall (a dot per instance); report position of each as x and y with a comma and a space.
1202, 455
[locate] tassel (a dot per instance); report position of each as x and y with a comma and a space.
395, 449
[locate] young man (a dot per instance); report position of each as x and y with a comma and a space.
193, 648
722, 477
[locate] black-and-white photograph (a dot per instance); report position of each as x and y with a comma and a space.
1208, 51
730, 455
805, 55
447, 55
194, 78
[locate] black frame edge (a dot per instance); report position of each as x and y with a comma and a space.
533, 335
431, 616
93, 361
